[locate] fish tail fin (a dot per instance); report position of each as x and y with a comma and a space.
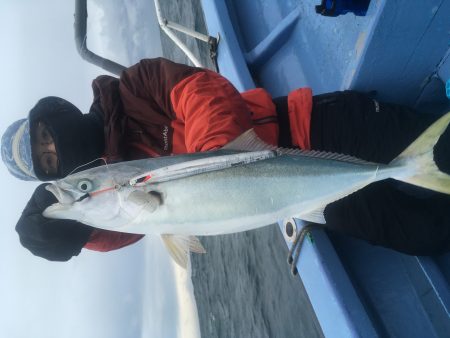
419, 157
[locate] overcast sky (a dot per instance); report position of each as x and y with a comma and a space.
127, 293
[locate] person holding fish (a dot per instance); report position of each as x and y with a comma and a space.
161, 108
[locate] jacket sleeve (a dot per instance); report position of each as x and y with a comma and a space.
104, 240
146, 87
212, 110
52, 239
204, 105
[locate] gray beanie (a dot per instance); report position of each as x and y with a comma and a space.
16, 150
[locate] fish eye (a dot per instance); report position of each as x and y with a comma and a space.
85, 185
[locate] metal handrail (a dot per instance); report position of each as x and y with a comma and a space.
80, 26
167, 25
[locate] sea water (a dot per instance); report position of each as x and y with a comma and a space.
242, 285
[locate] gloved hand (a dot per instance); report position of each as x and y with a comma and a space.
52, 239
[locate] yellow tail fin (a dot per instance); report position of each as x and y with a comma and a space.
419, 157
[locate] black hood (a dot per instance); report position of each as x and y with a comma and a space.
78, 137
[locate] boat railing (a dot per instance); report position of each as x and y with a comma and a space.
167, 26
80, 26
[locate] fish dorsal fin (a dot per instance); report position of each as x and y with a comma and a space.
180, 246
315, 216
252, 149
250, 141
323, 155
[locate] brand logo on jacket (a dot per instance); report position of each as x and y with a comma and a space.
166, 137
377, 106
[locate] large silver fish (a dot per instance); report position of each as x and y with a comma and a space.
243, 186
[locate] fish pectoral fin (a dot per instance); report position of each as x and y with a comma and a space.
149, 200
180, 246
315, 216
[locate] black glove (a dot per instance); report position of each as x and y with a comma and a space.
52, 239
394, 215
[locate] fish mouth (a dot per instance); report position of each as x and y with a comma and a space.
61, 195
63, 209
60, 211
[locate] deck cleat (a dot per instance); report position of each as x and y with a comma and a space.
296, 236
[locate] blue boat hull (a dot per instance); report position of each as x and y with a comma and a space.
401, 51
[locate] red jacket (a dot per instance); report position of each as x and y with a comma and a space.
159, 108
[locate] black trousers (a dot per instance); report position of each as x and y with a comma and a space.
389, 213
